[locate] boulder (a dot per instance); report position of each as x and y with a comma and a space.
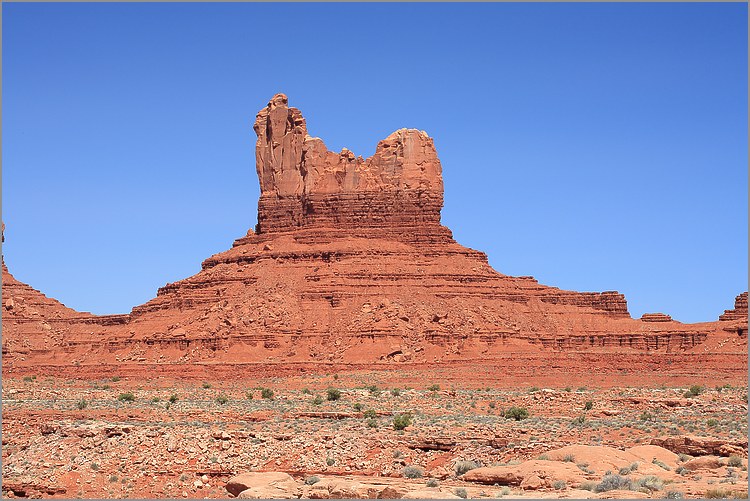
535, 474
256, 485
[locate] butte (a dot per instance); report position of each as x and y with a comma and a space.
350, 268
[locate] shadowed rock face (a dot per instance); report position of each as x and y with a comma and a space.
349, 264
399, 188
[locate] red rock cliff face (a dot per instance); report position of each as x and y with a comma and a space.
396, 192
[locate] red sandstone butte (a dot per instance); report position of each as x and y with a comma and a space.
349, 264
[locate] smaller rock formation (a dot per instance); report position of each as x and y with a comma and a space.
656, 317
739, 312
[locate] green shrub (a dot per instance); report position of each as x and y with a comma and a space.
569, 458
266, 393
401, 421
330, 461
412, 472
95, 466
357, 407
311, 480
249, 394
543, 457
588, 405
126, 397
433, 482
661, 464
517, 413
81, 404
461, 492
206, 386
333, 394
155, 400
372, 423
568, 389
222, 399
173, 399
306, 391
647, 416
115, 379
395, 392
27, 379
434, 387
588, 486
374, 390
370, 414
462, 466
694, 391
533, 389
712, 422
734, 462
650, 482
613, 482
674, 495
317, 400
559, 485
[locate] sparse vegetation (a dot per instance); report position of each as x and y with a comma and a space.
115, 379
661, 464
412, 472
432, 482
333, 394
694, 391
222, 399
81, 404
266, 393
173, 398
434, 387
462, 466
205, 386
517, 413
588, 405
647, 416
461, 492
317, 400
370, 414
569, 458
559, 485
395, 392
126, 397
650, 483
734, 461
401, 421
612, 482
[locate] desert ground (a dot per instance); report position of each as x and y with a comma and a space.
336, 435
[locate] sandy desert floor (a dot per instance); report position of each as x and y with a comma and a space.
334, 435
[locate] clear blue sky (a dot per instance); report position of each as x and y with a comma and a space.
594, 146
